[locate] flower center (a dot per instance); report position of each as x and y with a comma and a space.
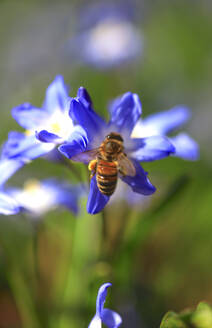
55, 127
58, 123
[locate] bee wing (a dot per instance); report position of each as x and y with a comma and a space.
125, 166
86, 156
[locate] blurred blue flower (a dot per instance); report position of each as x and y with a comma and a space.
8, 167
8, 205
45, 127
108, 35
39, 197
124, 114
110, 318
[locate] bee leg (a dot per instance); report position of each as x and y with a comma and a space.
92, 167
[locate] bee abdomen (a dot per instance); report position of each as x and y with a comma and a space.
106, 186
107, 175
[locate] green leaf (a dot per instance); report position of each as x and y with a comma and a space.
199, 318
172, 320
202, 318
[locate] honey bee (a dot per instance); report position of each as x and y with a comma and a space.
107, 161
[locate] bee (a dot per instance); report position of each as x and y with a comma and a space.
107, 161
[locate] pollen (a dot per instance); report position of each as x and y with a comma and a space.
28, 133
55, 127
92, 165
32, 186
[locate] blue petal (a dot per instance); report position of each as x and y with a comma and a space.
110, 318
151, 148
72, 149
56, 95
54, 156
86, 117
96, 200
20, 146
185, 147
83, 93
102, 293
36, 149
125, 112
164, 122
139, 183
12, 146
8, 206
28, 116
8, 167
76, 144
46, 136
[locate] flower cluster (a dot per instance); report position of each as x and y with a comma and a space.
68, 127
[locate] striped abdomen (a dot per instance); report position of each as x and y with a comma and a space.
107, 174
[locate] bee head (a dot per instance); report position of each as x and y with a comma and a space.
113, 142
114, 136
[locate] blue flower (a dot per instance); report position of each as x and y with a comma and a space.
108, 36
124, 114
39, 197
45, 127
110, 318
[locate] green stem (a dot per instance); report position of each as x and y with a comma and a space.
85, 250
104, 231
120, 234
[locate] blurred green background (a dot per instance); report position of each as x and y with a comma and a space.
159, 257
